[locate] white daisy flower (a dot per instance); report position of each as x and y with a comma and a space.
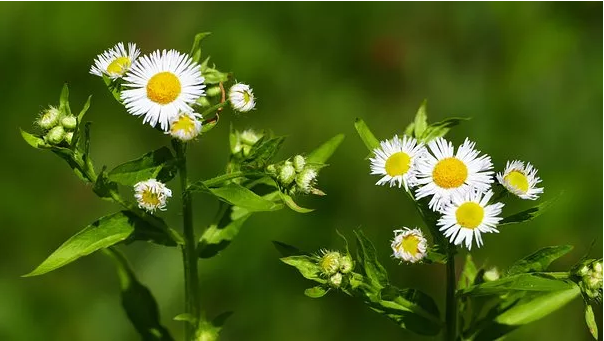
115, 62
151, 195
520, 180
444, 173
186, 126
241, 97
396, 159
409, 245
163, 84
469, 215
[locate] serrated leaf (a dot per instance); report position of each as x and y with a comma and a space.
238, 195
307, 266
138, 302
326, 150
367, 258
315, 292
217, 237
590, 319
468, 274
101, 234
519, 282
539, 260
158, 164
33, 140
420, 123
366, 135
529, 214
527, 311
289, 201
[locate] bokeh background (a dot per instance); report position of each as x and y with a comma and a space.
529, 74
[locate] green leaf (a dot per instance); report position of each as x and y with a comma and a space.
366, 135
307, 266
196, 49
539, 260
440, 129
138, 302
115, 87
84, 109
409, 129
421, 120
217, 237
238, 195
159, 164
262, 152
33, 140
529, 214
411, 309
289, 201
468, 274
324, 152
64, 101
101, 234
153, 229
527, 311
316, 292
287, 250
519, 282
103, 187
591, 321
367, 258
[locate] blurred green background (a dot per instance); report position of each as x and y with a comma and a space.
529, 74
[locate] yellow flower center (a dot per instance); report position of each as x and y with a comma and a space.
163, 88
150, 198
450, 173
517, 180
119, 66
469, 215
246, 96
397, 164
409, 244
184, 123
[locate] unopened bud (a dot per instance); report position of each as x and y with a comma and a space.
213, 91
49, 118
299, 163
491, 275
336, 280
250, 137
69, 122
55, 135
330, 262
346, 264
271, 170
287, 174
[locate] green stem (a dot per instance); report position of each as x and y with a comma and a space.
451, 307
189, 254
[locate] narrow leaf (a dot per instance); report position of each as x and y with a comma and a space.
539, 260
421, 120
324, 152
32, 140
590, 319
238, 195
367, 258
440, 129
287, 250
519, 282
84, 109
216, 238
533, 309
315, 292
306, 265
366, 135
138, 302
289, 201
409, 129
159, 164
468, 274
196, 49
64, 100
529, 214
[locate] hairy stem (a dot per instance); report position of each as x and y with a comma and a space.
189, 254
451, 307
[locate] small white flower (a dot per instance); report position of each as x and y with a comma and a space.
186, 126
469, 215
520, 180
409, 245
242, 97
162, 85
151, 195
396, 159
306, 180
444, 173
115, 62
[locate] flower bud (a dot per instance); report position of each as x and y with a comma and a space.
49, 118
55, 135
241, 97
336, 280
69, 137
330, 262
271, 170
250, 137
246, 149
299, 163
287, 174
213, 91
306, 180
69, 122
346, 264
491, 275
588, 275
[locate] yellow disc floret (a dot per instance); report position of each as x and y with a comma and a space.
119, 66
398, 164
409, 244
163, 88
184, 123
450, 173
150, 198
517, 180
469, 215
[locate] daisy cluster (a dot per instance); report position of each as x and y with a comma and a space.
163, 87
456, 184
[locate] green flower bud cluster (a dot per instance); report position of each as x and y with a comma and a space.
242, 142
335, 267
57, 126
296, 176
588, 275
